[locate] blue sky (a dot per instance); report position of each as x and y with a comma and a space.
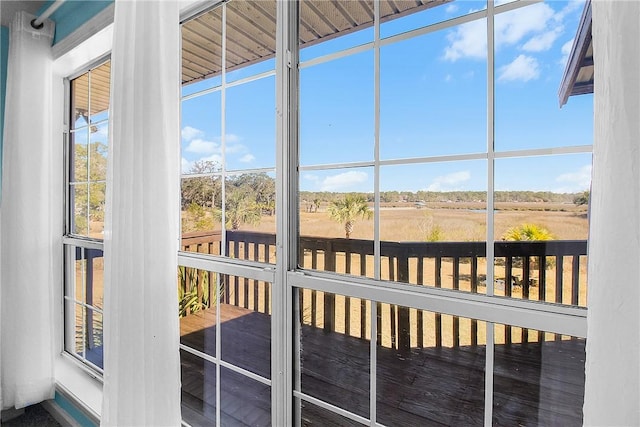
433, 102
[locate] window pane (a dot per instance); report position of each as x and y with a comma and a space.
200, 213
245, 316
425, 99
313, 415
433, 224
538, 378
334, 355
98, 150
100, 78
79, 161
430, 368
425, 14
80, 101
243, 401
251, 37
336, 221
202, 52
541, 227
201, 146
532, 46
95, 347
80, 205
250, 125
97, 200
336, 111
197, 303
198, 390
323, 20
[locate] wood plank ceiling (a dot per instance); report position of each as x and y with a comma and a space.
251, 29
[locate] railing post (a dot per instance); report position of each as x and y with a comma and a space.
404, 336
329, 299
89, 295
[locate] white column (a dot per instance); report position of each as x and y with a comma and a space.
612, 393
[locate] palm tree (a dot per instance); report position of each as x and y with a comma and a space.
348, 210
240, 208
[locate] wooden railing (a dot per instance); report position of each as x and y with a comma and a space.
550, 271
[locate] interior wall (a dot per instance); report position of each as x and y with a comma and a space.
612, 391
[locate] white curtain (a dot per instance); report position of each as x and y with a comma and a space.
141, 359
26, 280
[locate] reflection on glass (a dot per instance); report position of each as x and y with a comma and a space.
538, 380
76, 291
246, 324
80, 101
336, 110
342, 324
419, 14
198, 390
433, 224
541, 228
100, 79
250, 125
80, 333
243, 401
424, 100
430, 368
532, 46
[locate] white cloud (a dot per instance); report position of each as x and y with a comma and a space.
452, 8
189, 133
311, 177
566, 50
543, 42
512, 27
343, 181
200, 146
449, 182
448, 78
523, 68
575, 181
216, 158
247, 158
467, 41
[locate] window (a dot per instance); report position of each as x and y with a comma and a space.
86, 160
228, 189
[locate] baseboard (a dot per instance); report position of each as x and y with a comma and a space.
68, 412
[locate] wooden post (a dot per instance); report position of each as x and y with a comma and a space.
404, 325
89, 295
329, 299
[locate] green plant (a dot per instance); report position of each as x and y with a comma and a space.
529, 232
194, 290
348, 210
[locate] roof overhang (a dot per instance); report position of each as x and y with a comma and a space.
578, 74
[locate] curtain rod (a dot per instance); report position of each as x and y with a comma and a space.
37, 23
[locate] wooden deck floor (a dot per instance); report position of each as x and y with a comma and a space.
534, 384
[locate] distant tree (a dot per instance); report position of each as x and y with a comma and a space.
582, 199
348, 209
202, 190
316, 204
240, 208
